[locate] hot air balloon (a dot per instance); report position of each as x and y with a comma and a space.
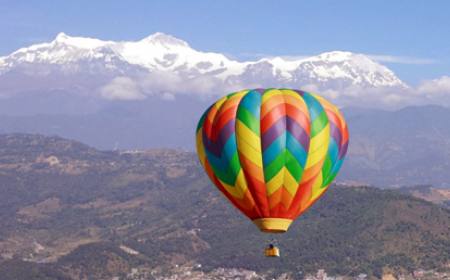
272, 152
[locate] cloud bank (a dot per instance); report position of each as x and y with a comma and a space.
440, 86
401, 59
168, 86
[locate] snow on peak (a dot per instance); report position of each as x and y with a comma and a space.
283, 63
79, 42
165, 39
64, 49
355, 68
61, 36
335, 56
163, 52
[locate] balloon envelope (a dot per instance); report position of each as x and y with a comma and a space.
272, 152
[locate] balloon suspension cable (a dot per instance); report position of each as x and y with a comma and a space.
272, 240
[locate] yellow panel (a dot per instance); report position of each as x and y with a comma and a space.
296, 102
200, 148
317, 156
292, 93
273, 225
318, 147
235, 192
318, 193
220, 102
290, 184
245, 134
233, 100
295, 99
321, 139
270, 102
240, 187
317, 184
275, 183
270, 93
249, 152
241, 182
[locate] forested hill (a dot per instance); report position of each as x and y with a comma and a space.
68, 211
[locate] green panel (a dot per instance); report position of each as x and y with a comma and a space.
248, 119
274, 167
319, 124
293, 166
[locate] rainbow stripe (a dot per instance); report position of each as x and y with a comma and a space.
272, 152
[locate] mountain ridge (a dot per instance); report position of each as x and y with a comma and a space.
69, 211
164, 56
386, 147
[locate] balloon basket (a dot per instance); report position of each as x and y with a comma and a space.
272, 251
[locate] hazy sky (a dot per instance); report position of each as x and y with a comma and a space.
411, 37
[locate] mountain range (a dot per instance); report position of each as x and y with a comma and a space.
165, 66
387, 148
150, 93
409, 146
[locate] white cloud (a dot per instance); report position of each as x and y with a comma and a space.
387, 98
166, 85
401, 59
122, 88
436, 91
383, 58
169, 85
439, 86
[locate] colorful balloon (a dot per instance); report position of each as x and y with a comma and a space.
272, 152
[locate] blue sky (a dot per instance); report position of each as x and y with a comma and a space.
415, 33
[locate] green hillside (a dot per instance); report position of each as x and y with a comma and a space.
70, 211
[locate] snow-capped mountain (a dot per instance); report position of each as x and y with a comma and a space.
157, 52
162, 63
